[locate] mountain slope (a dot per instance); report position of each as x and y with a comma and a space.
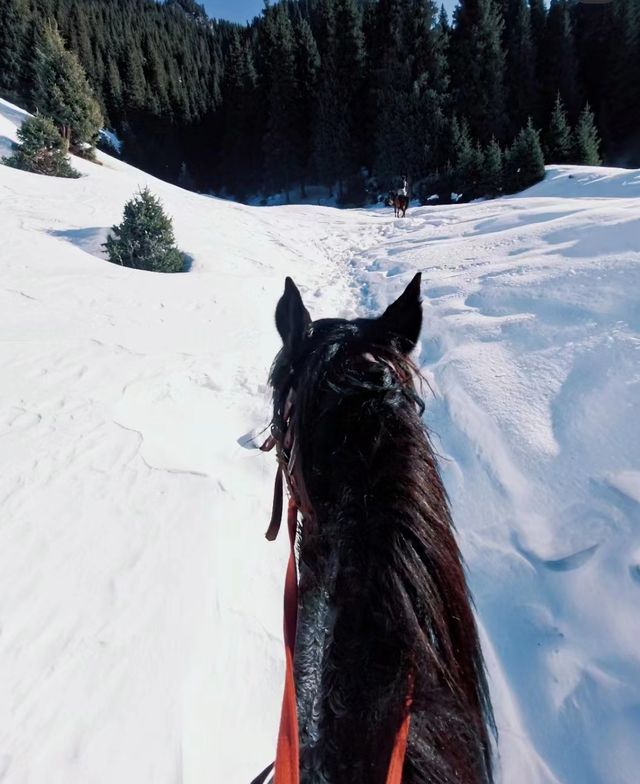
140, 606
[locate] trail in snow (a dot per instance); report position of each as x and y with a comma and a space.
140, 606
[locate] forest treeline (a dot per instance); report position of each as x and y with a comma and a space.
349, 94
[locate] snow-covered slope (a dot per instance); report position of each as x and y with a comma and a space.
140, 606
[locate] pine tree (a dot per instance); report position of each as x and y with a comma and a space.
558, 139
307, 59
391, 84
280, 156
41, 150
492, 173
468, 161
520, 82
443, 21
145, 240
560, 60
478, 63
13, 15
134, 81
477, 171
538, 20
524, 161
587, 140
460, 156
411, 89
341, 105
79, 39
241, 142
327, 112
349, 57
157, 81
429, 98
113, 91
623, 86
538, 16
62, 91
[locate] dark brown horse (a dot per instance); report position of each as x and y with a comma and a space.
386, 636
400, 203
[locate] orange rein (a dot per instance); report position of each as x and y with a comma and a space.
287, 767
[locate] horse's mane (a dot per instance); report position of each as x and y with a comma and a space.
381, 546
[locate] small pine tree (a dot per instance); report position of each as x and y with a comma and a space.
559, 144
587, 140
42, 149
492, 173
62, 91
144, 239
524, 161
469, 161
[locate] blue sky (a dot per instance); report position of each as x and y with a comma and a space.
234, 10
242, 10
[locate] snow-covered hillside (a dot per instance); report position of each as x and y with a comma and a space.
140, 606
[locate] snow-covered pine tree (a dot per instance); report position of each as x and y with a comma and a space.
145, 240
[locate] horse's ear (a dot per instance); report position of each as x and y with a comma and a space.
402, 320
292, 318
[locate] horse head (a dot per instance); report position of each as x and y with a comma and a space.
385, 630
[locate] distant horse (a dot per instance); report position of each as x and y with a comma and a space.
399, 202
385, 678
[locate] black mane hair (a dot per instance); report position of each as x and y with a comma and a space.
384, 613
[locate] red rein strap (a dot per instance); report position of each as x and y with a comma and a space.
399, 751
287, 768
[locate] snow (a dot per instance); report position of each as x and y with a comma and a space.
140, 605
111, 139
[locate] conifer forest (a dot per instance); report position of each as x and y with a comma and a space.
347, 94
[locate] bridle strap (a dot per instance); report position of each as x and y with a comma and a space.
276, 508
287, 766
278, 487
